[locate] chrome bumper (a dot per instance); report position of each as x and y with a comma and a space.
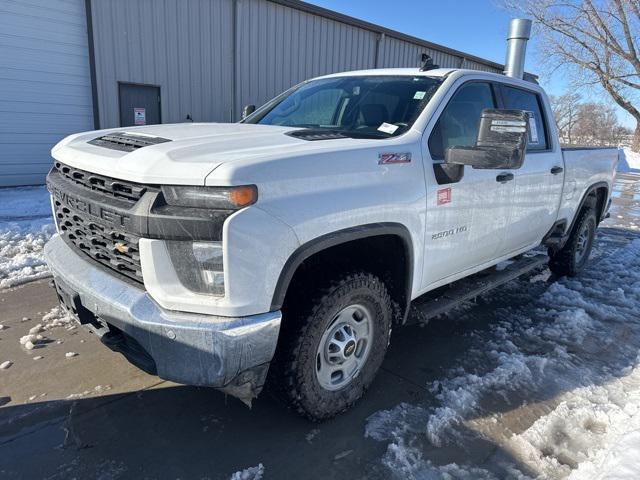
231, 354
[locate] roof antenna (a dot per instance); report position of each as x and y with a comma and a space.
427, 63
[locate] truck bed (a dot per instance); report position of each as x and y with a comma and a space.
584, 167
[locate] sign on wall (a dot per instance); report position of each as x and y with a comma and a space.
139, 116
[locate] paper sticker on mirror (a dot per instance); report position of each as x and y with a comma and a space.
533, 128
387, 128
419, 95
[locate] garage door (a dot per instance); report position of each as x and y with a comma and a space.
45, 85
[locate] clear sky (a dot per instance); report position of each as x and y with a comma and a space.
478, 27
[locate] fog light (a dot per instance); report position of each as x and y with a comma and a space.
198, 265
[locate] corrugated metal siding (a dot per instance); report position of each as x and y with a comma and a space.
479, 66
45, 86
184, 47
211, 57
396, 53
278, 47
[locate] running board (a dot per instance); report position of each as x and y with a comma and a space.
446, 298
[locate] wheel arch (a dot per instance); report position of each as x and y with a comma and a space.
596, 196
350, 236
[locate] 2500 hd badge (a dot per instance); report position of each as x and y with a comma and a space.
448, 233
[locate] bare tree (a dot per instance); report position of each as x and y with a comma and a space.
597, 40
565, 110
587, 123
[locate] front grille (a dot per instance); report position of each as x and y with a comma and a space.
109, 186
112, 248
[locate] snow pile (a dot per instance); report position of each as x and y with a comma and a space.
55, 318
554, 385
253, 473
583, 431
98, 389
628, 160
25, 226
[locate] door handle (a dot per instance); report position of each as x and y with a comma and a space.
504, 177
556, 170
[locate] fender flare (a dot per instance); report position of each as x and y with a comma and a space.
339, 237
583, 201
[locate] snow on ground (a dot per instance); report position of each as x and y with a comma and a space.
628, 161
253, 473
25, 225
554, 386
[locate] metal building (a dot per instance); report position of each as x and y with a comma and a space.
45, 87
73, 65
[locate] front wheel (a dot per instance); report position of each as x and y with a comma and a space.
333, 347
573, 256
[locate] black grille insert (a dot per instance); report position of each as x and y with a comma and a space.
126, 142
110, 247
109, 186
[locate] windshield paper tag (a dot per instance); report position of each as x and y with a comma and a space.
533, 128
419, 95
387, 128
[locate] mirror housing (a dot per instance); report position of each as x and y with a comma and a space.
501, 143
248, 110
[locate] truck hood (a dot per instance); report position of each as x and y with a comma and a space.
192, 152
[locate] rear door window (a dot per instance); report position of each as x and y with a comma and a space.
518, 99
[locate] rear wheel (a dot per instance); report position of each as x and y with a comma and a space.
332, 347
573, 256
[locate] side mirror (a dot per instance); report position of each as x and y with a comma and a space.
501, 143
248, 110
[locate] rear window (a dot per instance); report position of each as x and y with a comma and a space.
518, 99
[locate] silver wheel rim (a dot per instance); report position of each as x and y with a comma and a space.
582, 242
344, 347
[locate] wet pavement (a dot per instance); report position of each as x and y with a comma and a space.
93, 415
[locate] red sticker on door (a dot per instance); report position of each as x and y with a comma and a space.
444, 196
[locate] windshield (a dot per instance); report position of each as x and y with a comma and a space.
358, 106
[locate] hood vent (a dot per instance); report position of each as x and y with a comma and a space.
311, 135
126, 142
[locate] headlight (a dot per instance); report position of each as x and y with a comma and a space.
198, 265
223, 198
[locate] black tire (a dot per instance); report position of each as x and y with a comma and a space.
571, 259
294, 370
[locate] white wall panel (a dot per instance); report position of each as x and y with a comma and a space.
45, 85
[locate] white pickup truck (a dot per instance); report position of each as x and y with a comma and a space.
292, 242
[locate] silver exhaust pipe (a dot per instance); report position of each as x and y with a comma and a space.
519, 33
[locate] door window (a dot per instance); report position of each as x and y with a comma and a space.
518, 99
459, 122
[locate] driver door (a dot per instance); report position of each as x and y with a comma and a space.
466, 220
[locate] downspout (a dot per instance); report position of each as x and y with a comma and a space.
92, 66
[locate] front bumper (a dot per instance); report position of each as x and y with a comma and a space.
231, 354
